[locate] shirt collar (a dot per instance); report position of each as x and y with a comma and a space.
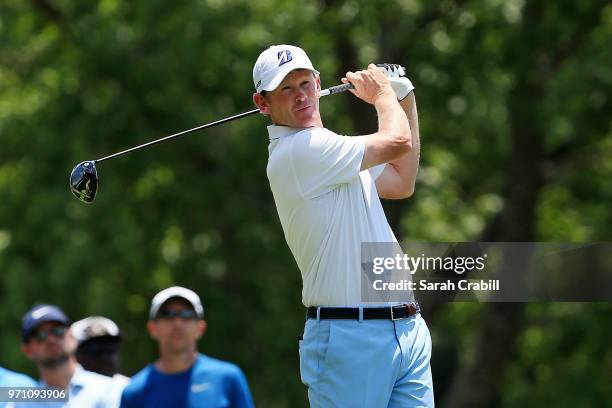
77, 382
276, 132
77, 378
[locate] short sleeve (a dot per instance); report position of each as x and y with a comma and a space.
376, 171
322, 160
129, 396
241, 396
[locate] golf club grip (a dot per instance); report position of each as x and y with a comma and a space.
337, 89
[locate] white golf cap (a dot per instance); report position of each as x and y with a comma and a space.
93, 327
275, 63
176, 292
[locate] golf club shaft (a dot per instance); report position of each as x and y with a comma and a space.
324, 92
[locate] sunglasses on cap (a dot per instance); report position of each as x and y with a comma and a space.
186, 314
42, 335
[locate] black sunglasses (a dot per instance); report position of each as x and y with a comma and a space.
57, 331
183, 314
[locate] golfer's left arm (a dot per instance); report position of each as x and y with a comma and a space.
399, 176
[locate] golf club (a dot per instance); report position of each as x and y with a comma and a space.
84, 176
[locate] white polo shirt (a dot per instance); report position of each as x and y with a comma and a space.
86, 390
327, 208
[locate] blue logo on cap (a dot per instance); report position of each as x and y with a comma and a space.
284, 57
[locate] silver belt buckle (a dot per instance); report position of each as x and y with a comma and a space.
393, 318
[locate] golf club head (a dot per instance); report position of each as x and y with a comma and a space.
84, 181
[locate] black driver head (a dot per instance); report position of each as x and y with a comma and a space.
84, 181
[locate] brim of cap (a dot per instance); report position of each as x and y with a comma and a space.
278, 78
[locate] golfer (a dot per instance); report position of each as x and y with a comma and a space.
327, 190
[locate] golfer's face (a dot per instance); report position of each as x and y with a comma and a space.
295, 103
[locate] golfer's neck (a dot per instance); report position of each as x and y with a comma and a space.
314, 123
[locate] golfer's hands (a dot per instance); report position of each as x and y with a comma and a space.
397, 76
370, 85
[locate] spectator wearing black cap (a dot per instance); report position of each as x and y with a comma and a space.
182, 377
48, 341
98, 347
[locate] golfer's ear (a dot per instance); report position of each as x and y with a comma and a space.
260, 101
317, 81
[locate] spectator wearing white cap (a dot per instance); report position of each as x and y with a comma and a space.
98, 347
183, 377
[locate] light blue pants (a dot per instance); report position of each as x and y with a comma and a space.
368, 363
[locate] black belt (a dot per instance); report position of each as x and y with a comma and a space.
352, 313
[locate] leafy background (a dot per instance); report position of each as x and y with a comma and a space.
514, 103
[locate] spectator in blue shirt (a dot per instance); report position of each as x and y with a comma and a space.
49, 343
182, 377
12, 379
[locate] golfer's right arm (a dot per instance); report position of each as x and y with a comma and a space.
393, 139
